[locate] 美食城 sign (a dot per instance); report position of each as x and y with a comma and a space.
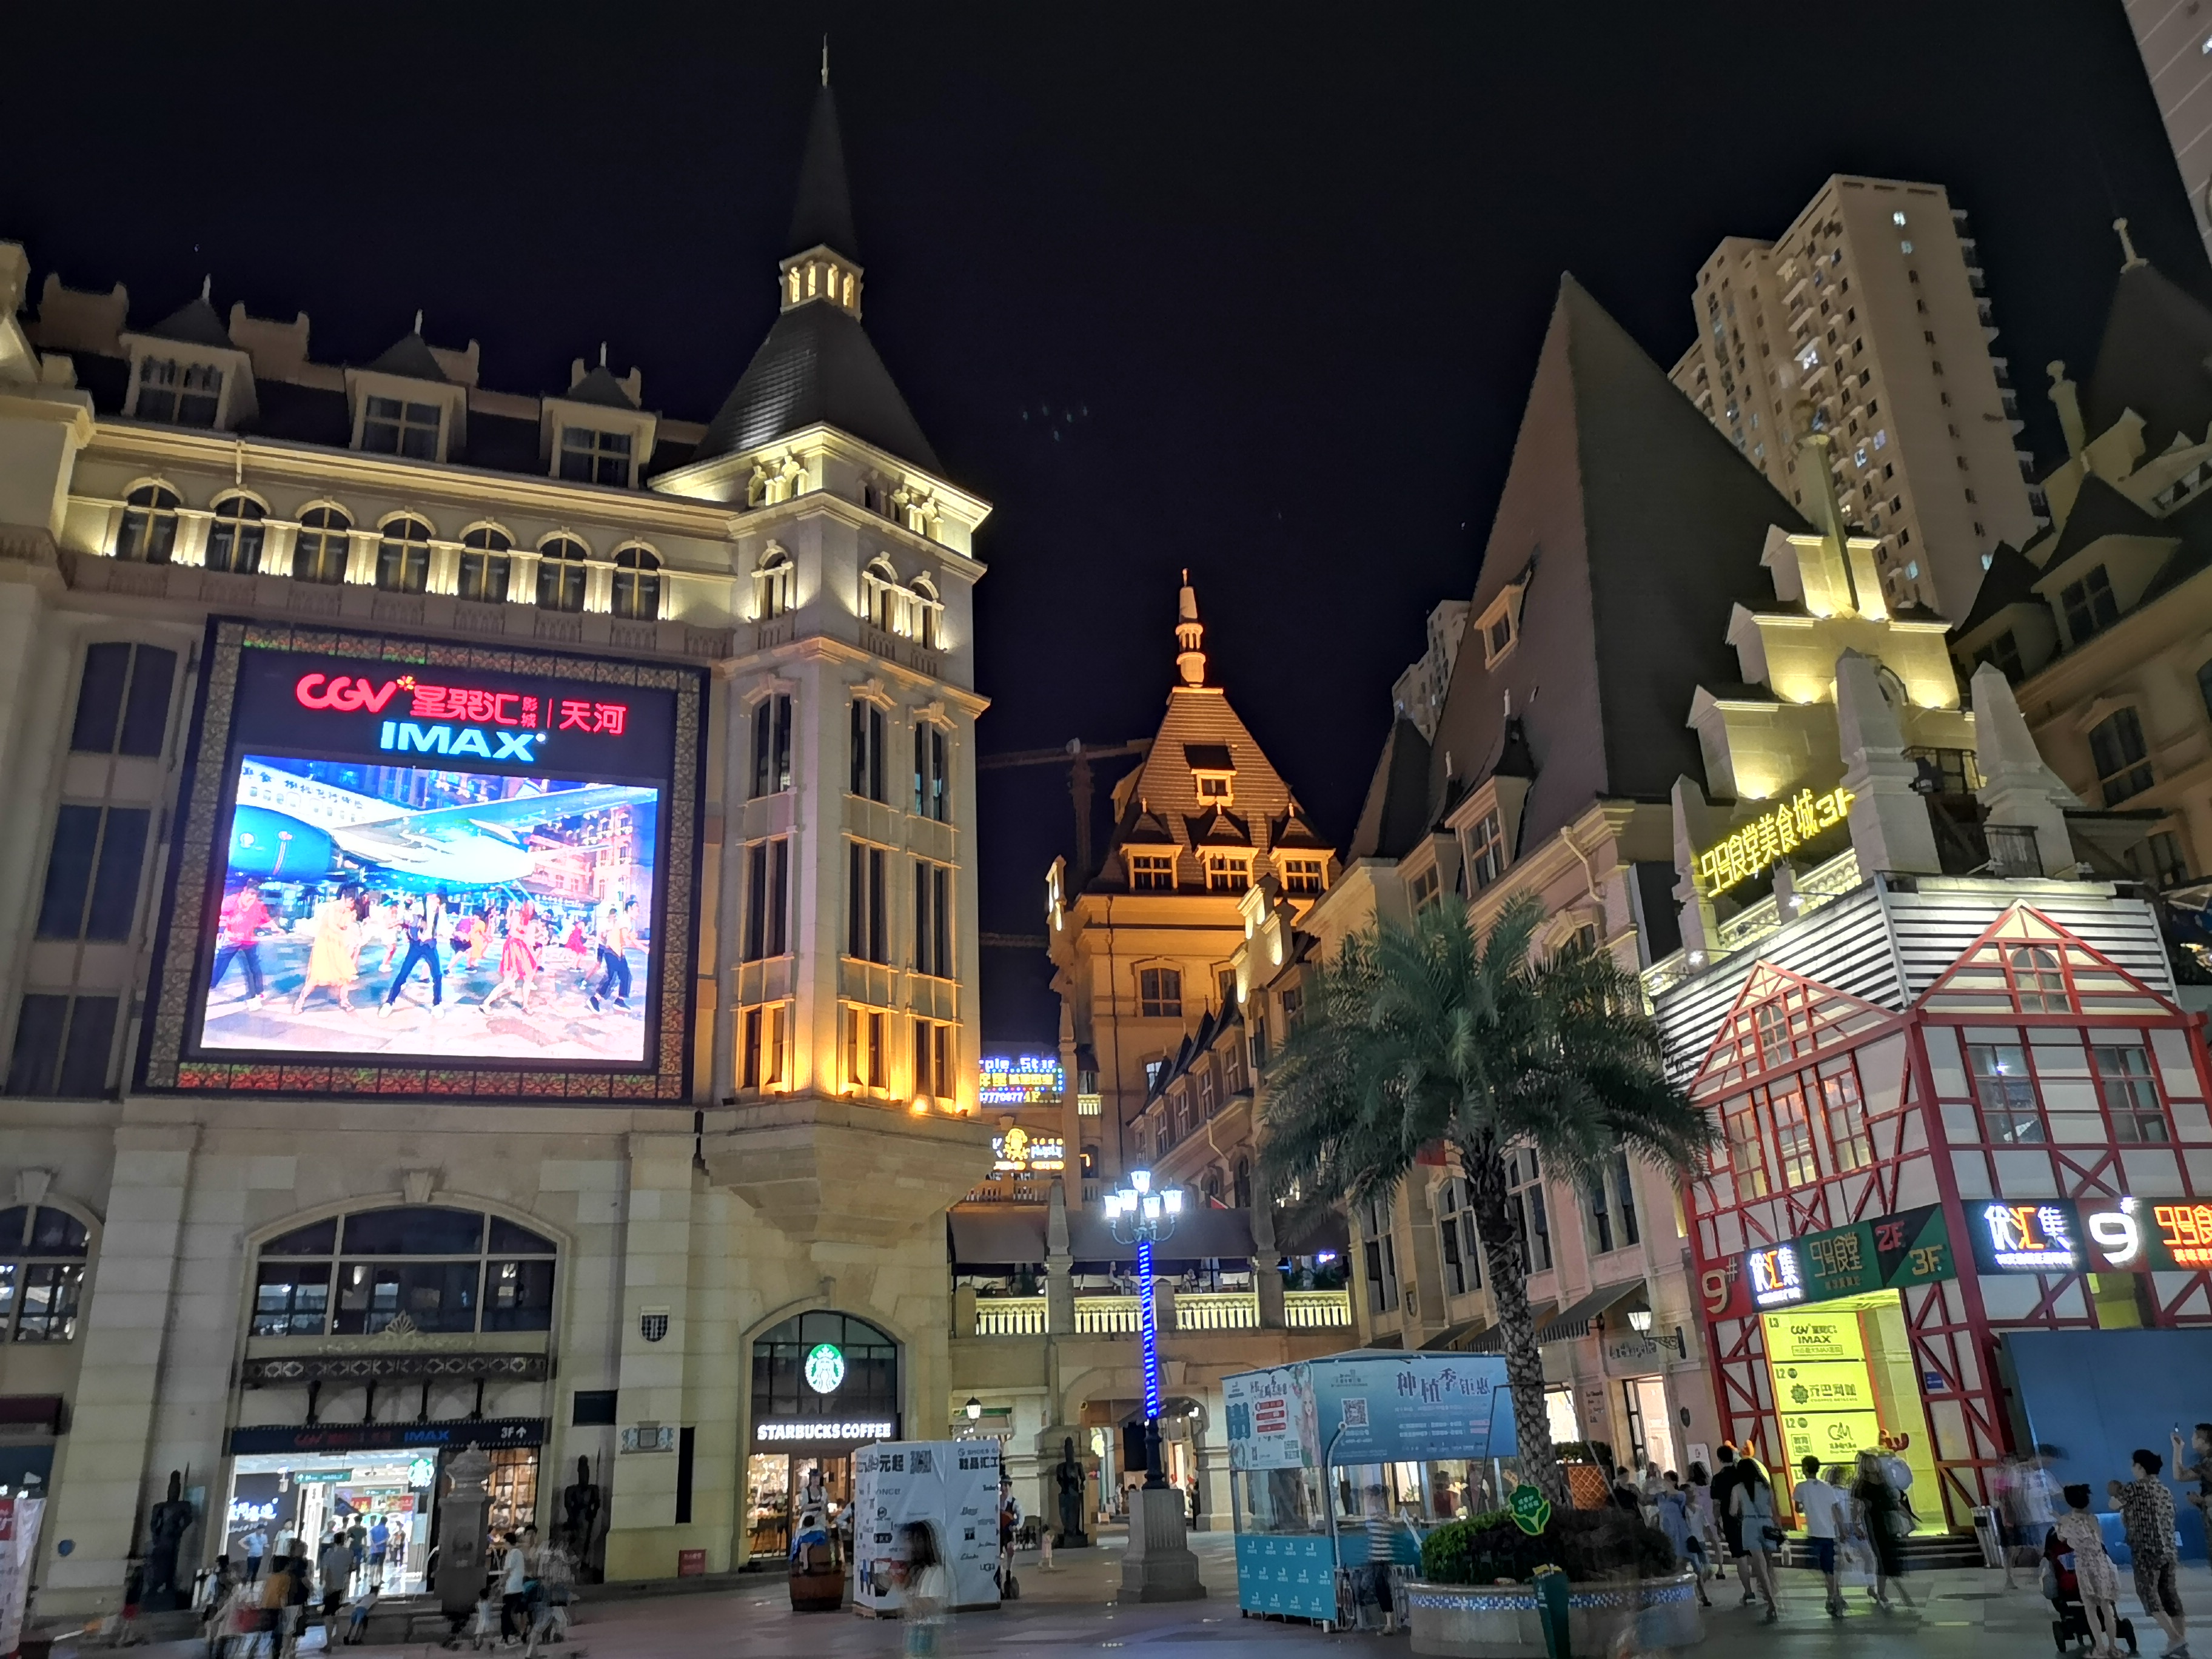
1770, 837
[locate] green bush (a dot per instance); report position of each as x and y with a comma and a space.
1584, 1544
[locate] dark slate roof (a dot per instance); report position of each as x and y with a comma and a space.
2152, 360
817, 366
1292, 830
107, 380
302, 413
1514, 759
1208, 757
2009, 581
2099, 511
822, 216
2192, 522
1395, 814
504, 443
1652, 525
600, 388
1217, 826
194, 322
668, 453
411, 357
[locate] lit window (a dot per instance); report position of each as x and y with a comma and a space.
637, 584
1227, 872
390, 427
1793, 1134
589, 457
1898, 219
148, 534
1302, 875
485, 566
323, 547
2005, 1091
182, 394
1747, 1147
425, 1267
42, 1256
1159, 993
561, 574
403, 557
235, 537
1151, 872
772, 585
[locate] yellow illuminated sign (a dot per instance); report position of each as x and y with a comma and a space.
1822, 1385
1809, 1335
1757, 845
1832, 1436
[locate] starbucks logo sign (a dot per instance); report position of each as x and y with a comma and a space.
825, 1368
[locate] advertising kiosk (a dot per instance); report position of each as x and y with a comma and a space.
951, 1485
1342, 1463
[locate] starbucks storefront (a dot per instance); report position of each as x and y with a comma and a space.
824, 1384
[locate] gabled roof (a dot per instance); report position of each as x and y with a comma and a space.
1292, 830
601, 388
2152, 360
411, 356
193, 323
1651, 525
822, 214
2192, 523
2098, 511
1395, 814
1218, 826
2009, 581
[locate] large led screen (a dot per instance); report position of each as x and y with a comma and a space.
410, 868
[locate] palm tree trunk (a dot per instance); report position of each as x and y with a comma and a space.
1498, 1221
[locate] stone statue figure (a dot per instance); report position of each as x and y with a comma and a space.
1067, 1475
165, 1531
579, 1504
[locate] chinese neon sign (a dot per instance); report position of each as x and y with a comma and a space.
1888, 1253
1017, 1150
2014, 1238
1777, 1279
1767, 839
1020, 1081
2105, 1235
462, 720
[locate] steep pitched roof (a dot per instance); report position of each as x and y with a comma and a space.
411, 356
2098, 511
2009, 581
193, 323
817, 366
2152, 360
1651, 525
600, 387
822, 214
1395, 813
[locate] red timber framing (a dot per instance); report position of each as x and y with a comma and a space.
2033, 1067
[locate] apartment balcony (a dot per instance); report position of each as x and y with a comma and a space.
1187, 1311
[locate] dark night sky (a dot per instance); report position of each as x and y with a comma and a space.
1254, 289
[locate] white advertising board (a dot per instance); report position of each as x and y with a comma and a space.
952, 1487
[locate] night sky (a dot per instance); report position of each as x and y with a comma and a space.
1256, 290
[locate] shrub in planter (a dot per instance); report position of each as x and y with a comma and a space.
1585, 1544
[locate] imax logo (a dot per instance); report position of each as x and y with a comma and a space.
405, 737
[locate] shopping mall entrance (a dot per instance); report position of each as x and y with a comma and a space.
1844, 1382
824, 1384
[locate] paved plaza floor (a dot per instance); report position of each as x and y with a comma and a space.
1962, 1613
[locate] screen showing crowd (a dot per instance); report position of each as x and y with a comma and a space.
383, 896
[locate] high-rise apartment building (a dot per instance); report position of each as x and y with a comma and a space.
1867, 323
2175, 37
1418, 693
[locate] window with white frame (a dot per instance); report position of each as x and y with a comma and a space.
768, 899
1151, 872
764, 1046
179, 393
935, 1072
910, 612
324, 546
1487, 850
1159, 993
867, 903
403, 557
1379, 1252
1227, 872
563, 574
1462, 1251
1301, 873
932, 920
772, 584
235, 535
486, 564
148, 531
1525, 1184
772, 745
933, 783
637, 584
1424, 890
43, 1251
867, 1055
589, 457
394, 426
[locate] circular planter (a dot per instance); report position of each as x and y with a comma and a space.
1478, 1621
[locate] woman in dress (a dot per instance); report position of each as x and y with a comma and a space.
518, 956
1879, 1511
1752, 1501
2097, 1579
1680, 1526
1698, 1484
926, 1585
331, 958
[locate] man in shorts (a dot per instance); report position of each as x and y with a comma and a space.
1817, 1505
2147, 1513
1725, 1479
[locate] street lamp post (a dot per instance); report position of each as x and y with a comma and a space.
1141, 1217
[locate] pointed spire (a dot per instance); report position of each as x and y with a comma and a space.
1190, 634
207, 285
419, 322
2128, 257
825, 60
822, 214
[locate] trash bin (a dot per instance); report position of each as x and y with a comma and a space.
1989, 1535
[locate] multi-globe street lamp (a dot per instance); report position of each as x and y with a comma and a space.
1144, 1218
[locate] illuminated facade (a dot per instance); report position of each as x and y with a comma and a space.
489, 947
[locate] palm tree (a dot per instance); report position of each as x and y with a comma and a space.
1421, 1035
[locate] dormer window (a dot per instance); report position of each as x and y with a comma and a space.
601, 457
1500, 625
1301, 875
1227, 872
390, 426
1214, 789
1151, 872
180, 393
1487, 850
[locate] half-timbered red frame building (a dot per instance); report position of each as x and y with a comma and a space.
1972, 1045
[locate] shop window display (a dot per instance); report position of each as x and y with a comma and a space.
416, 1268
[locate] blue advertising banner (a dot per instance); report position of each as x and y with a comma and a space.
1287, 1573
1411, 1409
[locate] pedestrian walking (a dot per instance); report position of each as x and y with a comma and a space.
1699, 1485
1821, 1508
924, 1590
2026, 1510
1731, 1524
2146, 1510
2094, 1576
2196, 1466
1677, 1518
335, 1567
1752, 1498
379, 1540
1881, 1512
256, 1545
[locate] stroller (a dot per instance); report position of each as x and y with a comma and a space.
2071, 1627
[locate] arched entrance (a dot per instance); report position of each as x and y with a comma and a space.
822, 1383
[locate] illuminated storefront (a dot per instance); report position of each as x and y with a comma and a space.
823, 1385
1995, 1123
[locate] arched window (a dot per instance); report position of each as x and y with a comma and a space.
1240, 1186
42, 1256
235, 538
321, 552
403, 557
880, 594
929, 612
149, 526
772, 585
1212, 1187
485, 566
637, 584
561, 574
408, 1268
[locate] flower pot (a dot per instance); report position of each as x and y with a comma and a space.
1481, 1621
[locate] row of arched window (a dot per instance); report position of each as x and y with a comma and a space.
322, 549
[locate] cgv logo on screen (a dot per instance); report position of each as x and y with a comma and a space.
510, 727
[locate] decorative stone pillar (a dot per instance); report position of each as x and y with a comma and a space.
462, 1514
1889, 818
2017, 787
1158, 1565
1266, 1278
1059, 1265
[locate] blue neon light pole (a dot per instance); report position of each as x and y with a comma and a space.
1141, 1217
